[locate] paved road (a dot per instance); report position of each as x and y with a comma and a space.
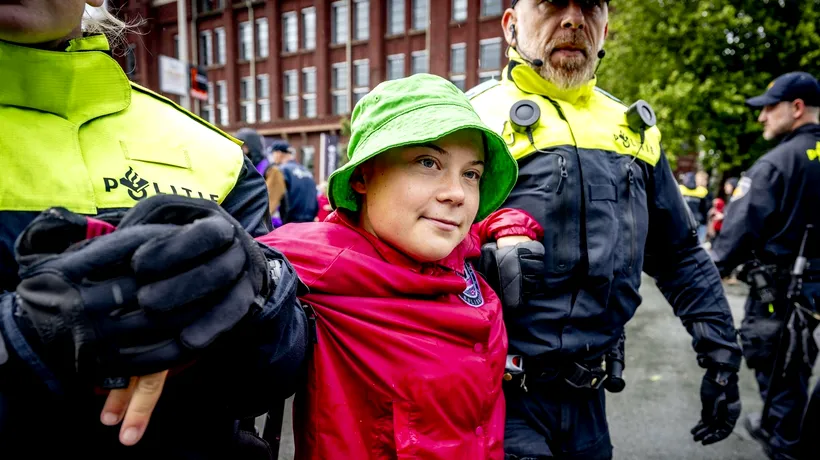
652, 417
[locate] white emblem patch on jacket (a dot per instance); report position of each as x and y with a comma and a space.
472, 294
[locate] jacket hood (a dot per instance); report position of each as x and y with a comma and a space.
254, 142
343, 259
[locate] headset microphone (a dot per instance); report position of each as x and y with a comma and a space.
601, 55
534, 62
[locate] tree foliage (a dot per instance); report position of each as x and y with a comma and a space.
696, 61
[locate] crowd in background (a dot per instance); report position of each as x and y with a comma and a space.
707, 210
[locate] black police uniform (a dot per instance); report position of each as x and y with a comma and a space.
765, 221
611, 209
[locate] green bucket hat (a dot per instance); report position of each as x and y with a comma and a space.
415, 110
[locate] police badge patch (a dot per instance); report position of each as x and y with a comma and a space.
472, 295
743, 186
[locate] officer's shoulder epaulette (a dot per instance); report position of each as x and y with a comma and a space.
610, 96
476, 90
190, 114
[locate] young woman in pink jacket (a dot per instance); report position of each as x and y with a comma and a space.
410, 341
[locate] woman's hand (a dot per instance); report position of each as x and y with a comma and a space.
133, 406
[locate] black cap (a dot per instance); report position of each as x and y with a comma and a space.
788, 87
279, 145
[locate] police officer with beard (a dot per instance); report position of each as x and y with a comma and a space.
764, 226
594, 175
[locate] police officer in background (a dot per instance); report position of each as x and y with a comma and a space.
303, 204
765, 222
598, 181
697, 197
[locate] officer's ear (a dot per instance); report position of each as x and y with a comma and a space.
508, 20
799, 106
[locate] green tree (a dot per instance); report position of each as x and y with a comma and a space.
696, 62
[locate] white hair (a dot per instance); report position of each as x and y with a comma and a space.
101, 21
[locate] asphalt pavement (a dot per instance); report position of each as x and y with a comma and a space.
652, 417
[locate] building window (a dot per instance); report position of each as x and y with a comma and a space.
221, 97
419, 15
221, 50
206, 6
289, 83
290, 37
458, 64
358, 94
459, 81
361, 79
263, 97
291, 95
176, 46
309, 91
207, 110
395, 66
459, 10
491, 7
339, 75
246, 89
458, 58
489, 54
262, 86
206, 46
419, 62
308, 157
339, 84
263, 110
340, 102
338, 23
395, 17
309, 80
361, 18
291, 108
309, 105
485, 76
309, 28
262, 37
361, 73
246, 100
245, 41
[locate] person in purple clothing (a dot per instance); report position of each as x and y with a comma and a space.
253, 146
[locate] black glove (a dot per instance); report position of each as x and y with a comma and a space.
75, 293
206, 276
176, 275
720, 397
514, 272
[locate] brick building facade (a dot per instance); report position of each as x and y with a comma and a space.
293, 69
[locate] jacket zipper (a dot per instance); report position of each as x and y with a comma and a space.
563, 248
562, 165
630, 190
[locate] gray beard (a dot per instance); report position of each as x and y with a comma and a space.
569, 76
